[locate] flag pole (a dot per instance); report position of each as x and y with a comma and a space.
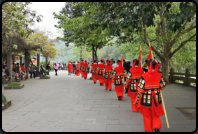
161, 95
141, 55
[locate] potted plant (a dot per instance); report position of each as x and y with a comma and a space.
5, 104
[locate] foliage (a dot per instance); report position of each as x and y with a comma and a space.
164, 23
14, 84
81, 29
15, 20
3, 99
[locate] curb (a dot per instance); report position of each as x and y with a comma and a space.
14, 87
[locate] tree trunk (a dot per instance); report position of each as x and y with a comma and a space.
21, 61
81, 54
46, 60
38, 61
94, 52
165, 69
9, 62
27, 63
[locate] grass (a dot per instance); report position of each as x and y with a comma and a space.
14, 84
92, 79
46, 76
3, 99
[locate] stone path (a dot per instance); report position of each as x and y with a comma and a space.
71, 104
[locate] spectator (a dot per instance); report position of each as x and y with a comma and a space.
129, 63
145, 66
88, 67
74, 67
6, 71
48, 67
23, 71
111, 61
32, 71
56, 69
126, 66
114, 64
42, 69
14, 72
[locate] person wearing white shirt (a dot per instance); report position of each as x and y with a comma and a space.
114, 64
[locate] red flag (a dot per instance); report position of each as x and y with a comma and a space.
84, 56
102, 58
88, 59
140, 56
122, 60
108, 56
150, 55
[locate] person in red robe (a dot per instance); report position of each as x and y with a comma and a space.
94, 71
108, 71
77, 71
119, 74
82, 66
132, 79
85, 69
70, 68
100, 72
149, 97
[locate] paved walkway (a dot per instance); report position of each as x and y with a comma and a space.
69, 103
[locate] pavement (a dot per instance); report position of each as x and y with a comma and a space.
67, 103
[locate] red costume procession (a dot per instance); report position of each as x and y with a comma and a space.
132, 83
108, 76
144, 89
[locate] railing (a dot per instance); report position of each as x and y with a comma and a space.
187, 80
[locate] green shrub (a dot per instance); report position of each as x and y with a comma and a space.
46, 76
3, 99
14, 84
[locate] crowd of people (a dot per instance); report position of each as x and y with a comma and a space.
20, 71
142, 85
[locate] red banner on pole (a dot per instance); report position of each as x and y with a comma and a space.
150, 55
140, 56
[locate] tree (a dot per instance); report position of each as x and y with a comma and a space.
172, 20
82, 29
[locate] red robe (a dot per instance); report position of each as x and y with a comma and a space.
77, 71
70, 67
132, 82
82, 66
100, 73
108, 77
118, 81
85, 70
94, 71
149, 100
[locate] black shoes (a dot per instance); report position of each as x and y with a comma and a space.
157, 130
109, 90
119, 98
94, 82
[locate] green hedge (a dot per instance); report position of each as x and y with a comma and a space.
14, 84
3, 99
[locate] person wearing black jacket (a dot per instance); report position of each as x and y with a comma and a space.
127, 68
74, 67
